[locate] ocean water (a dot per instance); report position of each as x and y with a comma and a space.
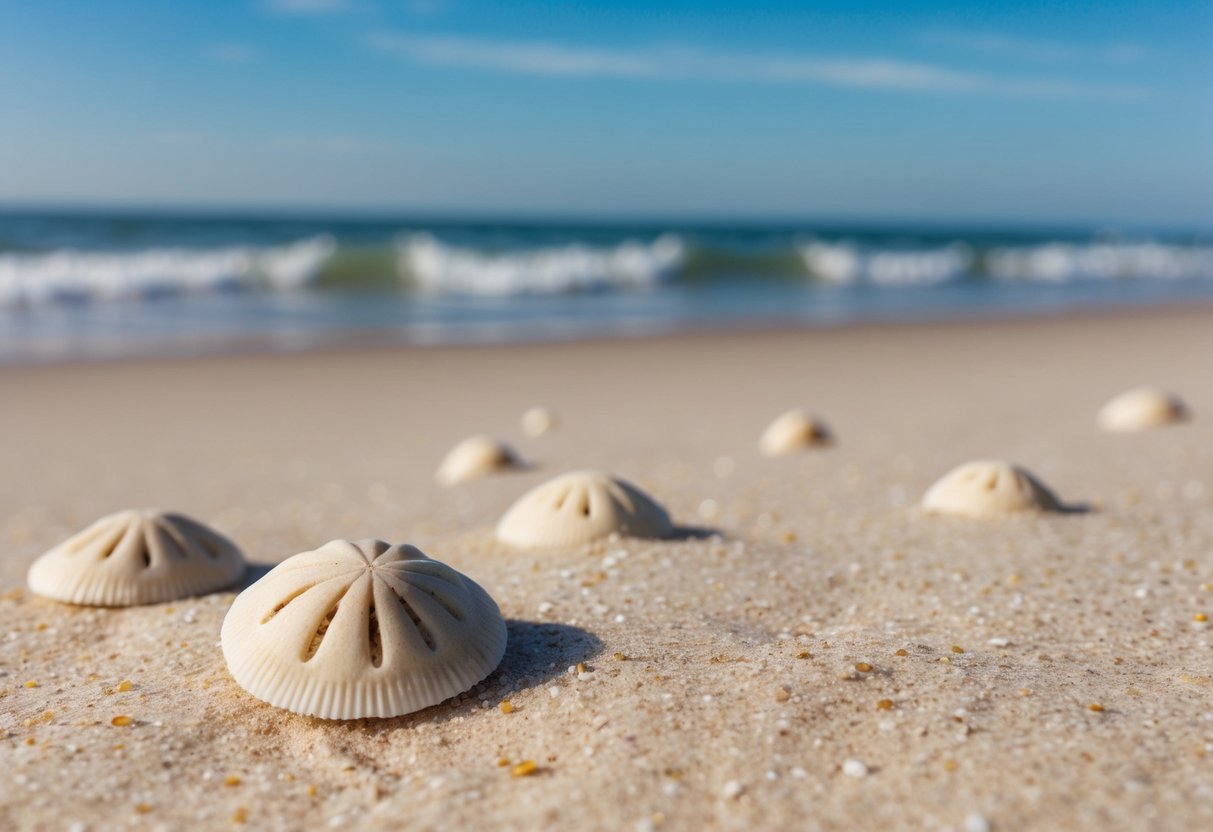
78, 285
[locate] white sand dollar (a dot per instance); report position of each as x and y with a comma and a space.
137, 557
538, 421
794, 431
1140, 409
579, 507
361, 629
476, 457
988, 488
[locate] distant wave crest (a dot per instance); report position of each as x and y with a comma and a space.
1066, 262
844, 263
530, 265
435, 266
68, 275
1050, 262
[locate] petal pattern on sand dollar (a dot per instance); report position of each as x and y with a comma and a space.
361, 629
137, 557
579, 507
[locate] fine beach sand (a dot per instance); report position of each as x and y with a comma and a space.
721, 689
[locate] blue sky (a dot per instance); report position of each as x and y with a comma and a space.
1025, 112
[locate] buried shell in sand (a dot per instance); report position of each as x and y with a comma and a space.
538, 421
794, 431
137, 557
579, 507
476, 457
1142, 408
989, 488
361, 629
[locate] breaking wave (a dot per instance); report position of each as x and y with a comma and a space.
1050, 262
488, 262
434, 266
68, 275
1066, 263
844, 263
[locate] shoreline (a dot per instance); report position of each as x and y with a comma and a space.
372, 340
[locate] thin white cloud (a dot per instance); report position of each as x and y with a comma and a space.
1036, 51
688, 64
230, 53
317, 7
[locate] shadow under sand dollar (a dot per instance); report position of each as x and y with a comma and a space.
535, 654
694, 533
993, 488
253, 572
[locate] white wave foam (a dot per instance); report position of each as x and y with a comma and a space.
438, 267
70, 275
1067, 262
845, 264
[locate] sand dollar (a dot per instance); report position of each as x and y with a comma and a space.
476, 457
1140, 409
794, 431
579, 507
137, 557
361, 629
988, 488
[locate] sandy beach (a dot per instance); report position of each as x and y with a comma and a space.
1037, 672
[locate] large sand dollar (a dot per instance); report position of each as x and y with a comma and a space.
361, 629
1142, 408
137, 557
989, 488
580, 507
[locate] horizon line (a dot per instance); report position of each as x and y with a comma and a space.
270, 211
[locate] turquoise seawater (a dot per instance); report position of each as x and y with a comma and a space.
113, 284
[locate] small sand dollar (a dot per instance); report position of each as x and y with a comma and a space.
579, 507
137, 557
476, 457
362, 629
1140, 409
794, 431
988, 488
538, 421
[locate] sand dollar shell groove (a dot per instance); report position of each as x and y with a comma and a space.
989, 488
137, 557
361, 629
580, 507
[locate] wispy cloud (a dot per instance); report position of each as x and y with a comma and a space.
230, 53
1037, 51
689, 64
312, 6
